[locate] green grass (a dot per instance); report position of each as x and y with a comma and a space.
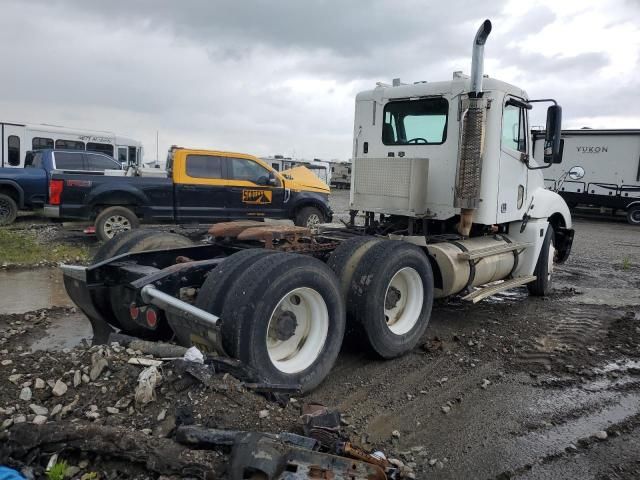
23, 248
57, 471
626, 263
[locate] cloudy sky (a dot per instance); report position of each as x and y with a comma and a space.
280, 76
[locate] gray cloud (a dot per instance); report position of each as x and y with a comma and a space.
263, 77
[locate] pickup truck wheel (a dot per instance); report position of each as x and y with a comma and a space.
345, 259
8, 209
541, 286
292, 318
391, 295
212, 295
115, 220
633, 215
309, 217
122, 299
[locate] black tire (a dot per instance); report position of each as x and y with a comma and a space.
113, 247
541, 286
8, 209
369, 289
126, 220
309, 217
255, 296
633, 215
345, 259
110, 249
213, 292
121, 297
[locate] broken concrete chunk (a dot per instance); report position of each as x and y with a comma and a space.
38, 410
60, 388
39, 420
40, 384
15, 378
77, 378
113, 410
56, 410
25, 394
98, 365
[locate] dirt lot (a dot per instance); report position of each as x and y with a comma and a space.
514, 387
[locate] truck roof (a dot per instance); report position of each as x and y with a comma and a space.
593, 131
459, 84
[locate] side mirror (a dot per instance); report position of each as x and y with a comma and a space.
576, 173
552, 141
28, 159
263, 180
273, 181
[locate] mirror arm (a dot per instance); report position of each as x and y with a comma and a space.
543, 100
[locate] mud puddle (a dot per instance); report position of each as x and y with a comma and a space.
27, 290
64, 331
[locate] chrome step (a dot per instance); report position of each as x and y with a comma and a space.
495, 250
494, 288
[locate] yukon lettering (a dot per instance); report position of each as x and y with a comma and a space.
592, 149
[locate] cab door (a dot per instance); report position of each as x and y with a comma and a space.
514, 148
200, 189
253, 191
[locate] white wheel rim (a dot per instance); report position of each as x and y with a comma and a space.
294, 345
403, 301
116, 224
313, 221
552, 254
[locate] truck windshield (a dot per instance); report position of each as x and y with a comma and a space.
415, 122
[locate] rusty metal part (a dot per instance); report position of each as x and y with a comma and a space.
273, 459
349, 450
232, 229
284, 238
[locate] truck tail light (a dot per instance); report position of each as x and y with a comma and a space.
55, 191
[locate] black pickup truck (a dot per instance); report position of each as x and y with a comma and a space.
201, 186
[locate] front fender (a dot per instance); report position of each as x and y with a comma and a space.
306, 199
546, 203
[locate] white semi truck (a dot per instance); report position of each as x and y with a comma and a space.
601, 169
453, 204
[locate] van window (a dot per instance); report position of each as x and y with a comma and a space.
69, 144
132, 155
38, 143
204, 166
243, 169
69, 161
99, 162
100, 147
122, 154
13, 150
415, 122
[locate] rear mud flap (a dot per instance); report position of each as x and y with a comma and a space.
86, 300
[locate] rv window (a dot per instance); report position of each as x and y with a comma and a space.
122, 154
37, 160
98, 162
204, 166
100, 147
69, 161
514, 128
276, 167
242, 169
132, 155
13, 150
38, 143
415, 122
70, 144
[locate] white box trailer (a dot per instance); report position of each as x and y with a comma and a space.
610, 163
17, 139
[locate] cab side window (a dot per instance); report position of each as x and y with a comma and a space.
514, 128
243, 169
204, 166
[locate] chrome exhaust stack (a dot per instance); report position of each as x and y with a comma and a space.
472, 130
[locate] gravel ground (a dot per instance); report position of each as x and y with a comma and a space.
513, 387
